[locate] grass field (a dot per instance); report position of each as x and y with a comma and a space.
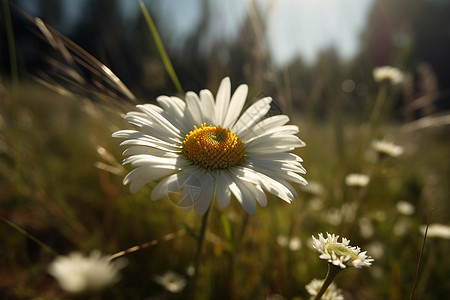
52, 189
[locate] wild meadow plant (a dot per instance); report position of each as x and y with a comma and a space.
201, 149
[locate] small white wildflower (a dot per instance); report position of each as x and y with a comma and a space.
354, 179
405, 208
380, 216
346, 213
366, 227
437, 231
334, 216
77, 273
282, 240
332, 292
295, 244
391, 74
171, 281
340, 253
314, 188
316, 203
376, 249
402, 226
387, 148
275, 297
190, 270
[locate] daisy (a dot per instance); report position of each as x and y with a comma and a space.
387, 148
388, 73
332, 292
340, 253
405, 208
436, 231
171, 281
77, 273
354, 179
205, 146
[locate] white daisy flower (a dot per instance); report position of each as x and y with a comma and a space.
436, 231
387, 148
314, 188
202, 145
171, 281
77, 273
391, 74
332, 292
340, 253
405, 208
294, 243
354, 179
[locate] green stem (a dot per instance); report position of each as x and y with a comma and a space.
331, 274
198, 256
162, 50
31, 237
378, 107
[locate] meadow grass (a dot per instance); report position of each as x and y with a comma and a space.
69, 204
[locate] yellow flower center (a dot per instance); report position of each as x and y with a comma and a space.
214, 148
341, 250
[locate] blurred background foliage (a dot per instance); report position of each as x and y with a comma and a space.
50, 139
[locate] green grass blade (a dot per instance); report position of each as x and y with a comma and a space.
161, 48
30, 236
14, 88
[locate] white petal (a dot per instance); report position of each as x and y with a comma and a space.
154, 129
278, 156
243, 194
222, 100
251, 116
274, 143
260, 196
141, 139
174, 109
142, 175
277, 166
170, 184
272, 132
236, 104
223, 193
208, 107
142, 142
172, 106
150, 107
264, 125
158, 118
271, 185
204, 201
141, 160
193, 111
136, 150
190, 178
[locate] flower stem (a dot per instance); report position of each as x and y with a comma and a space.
200, 242
331, 274
376, 112
162, 50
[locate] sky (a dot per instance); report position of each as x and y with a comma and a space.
306, 26
294, 27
